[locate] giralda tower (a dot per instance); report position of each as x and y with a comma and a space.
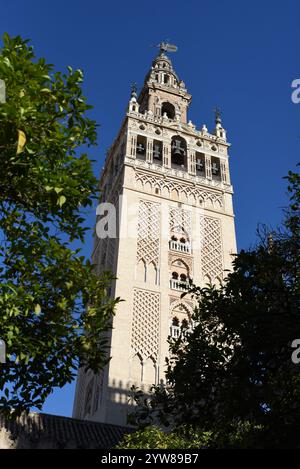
169, 183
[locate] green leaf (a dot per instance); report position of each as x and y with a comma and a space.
29, 150
7, 62
61, 200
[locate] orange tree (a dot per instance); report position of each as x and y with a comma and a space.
49, 293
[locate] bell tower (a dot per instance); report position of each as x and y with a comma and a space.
169, 185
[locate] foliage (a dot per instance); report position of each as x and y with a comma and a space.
49, 293
241, 435
233, 376
153, 437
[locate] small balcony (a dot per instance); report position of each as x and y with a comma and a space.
176, 331
179, 285
179, 246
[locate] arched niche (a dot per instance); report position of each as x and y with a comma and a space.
136, 369
178, 153
149, 372
168, 109
181, 311
141, 271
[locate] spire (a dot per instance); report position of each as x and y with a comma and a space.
162, 69
133, 90
163, 93
133, 105
163, 48
218, 114
219, 131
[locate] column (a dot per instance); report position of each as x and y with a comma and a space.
208, 173
149, 150
167, 154
131, 145
191, 156
224, 172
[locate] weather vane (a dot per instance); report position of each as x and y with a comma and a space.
166, 47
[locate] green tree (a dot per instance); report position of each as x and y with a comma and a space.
233, 377
153, 437
49, 293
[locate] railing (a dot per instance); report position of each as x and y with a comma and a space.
176, 331
178, 246
176, 173
149, 117
179, 285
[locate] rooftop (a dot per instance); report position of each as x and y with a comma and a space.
45, 431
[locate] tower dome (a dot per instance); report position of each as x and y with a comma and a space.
163, 94
162, 61
162, 71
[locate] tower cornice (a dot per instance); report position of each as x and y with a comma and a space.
179, 176
175, 126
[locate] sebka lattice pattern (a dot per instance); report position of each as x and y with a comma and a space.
145, 323
180, 219
212, 262
148, 232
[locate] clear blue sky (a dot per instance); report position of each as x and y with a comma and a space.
239, 55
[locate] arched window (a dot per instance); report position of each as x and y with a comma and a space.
169, 109
215, 168
178, 153
183, 277
149, 371
141, 271
88, 397
151, 274
200, 163
175, 321
136, 369
184, 324
141, 145
174, 275
157, 152
182, 240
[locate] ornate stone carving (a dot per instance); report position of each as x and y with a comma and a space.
188, 306
183, 258
212, 261
145, 323
148, 232
179, 217
205, 197
132, 124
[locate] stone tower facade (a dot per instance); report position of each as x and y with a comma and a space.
170, 186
